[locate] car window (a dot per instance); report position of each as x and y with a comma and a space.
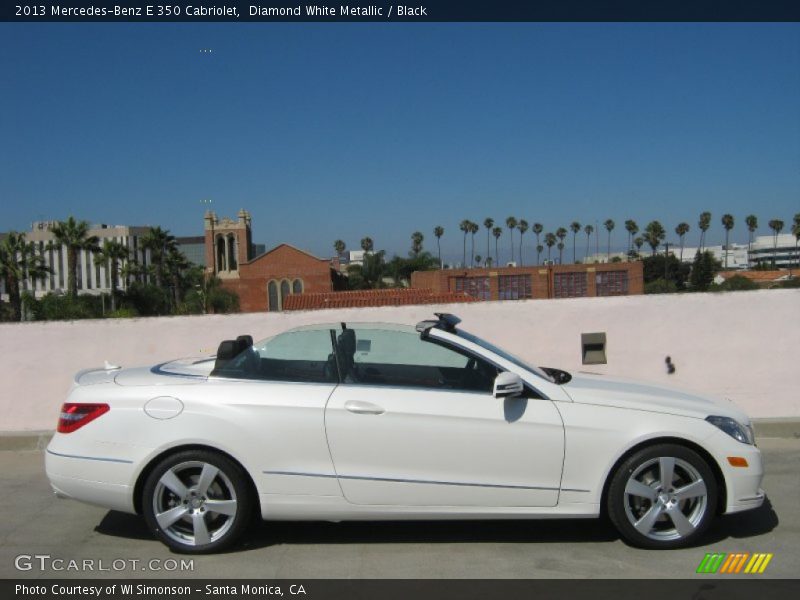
399, 358
304, 356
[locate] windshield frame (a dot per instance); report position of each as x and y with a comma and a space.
505, 355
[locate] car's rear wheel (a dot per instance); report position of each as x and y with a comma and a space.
197, 501
662, 496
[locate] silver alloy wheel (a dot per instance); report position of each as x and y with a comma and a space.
665, 498
194, 503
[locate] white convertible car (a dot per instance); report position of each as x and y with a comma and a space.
378, 421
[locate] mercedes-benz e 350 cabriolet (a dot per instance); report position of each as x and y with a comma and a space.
354, 421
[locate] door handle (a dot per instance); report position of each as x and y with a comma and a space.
363, 408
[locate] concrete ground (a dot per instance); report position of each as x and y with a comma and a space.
36, 523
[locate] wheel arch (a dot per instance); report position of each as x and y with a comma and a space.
722, 492
145, 472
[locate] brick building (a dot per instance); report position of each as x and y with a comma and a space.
262, 282
552, 281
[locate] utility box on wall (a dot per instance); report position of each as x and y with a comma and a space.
593, 348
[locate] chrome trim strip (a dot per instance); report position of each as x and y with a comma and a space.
423, 481
575, 490
114, 460
157, 370
752, 498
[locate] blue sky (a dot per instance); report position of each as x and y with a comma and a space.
328, 131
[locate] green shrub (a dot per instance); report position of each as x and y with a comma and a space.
57, 307
736, 283
123, 313
660, 286
792, 283
146, 299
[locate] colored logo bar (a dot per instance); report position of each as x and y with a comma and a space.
734, 563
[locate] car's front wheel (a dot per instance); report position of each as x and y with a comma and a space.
662, 496
197, 501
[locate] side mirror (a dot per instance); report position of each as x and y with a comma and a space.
507, 385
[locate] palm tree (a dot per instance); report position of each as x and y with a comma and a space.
511, 223
523, 227
550, 241
575, 228
752, 224
367, 245
727, 223
537, 229
561, 234
478, 259
682, 229
796, 234
160, 243
704, 223
416, 242
588, 230
339, 247
465, 226
111, 255
497, 232
777, 226
488, 222
131, 270
609, 225
438, 231
75, 236
632, 228
18, 262
175, 264
473, 229
638, 242
654, 234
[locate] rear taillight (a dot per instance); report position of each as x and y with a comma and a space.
74, 415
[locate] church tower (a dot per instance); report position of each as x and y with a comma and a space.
228, 244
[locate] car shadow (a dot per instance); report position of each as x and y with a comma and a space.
261, 535
749, 523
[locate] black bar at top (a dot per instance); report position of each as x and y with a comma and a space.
378, 11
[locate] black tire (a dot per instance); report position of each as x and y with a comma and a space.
206, 481
650, 515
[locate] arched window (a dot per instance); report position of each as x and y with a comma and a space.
272, 295
221, 265
285, 290
297, 286
231, 253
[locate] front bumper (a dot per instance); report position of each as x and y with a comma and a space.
743, 484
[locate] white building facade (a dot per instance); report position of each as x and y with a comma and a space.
91, 278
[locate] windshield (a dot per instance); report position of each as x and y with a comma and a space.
503, 354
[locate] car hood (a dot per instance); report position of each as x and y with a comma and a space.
636, 395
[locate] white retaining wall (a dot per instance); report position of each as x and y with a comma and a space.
741, 345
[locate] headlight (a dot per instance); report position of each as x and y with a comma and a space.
733, 428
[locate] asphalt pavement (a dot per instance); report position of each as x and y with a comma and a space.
44, 537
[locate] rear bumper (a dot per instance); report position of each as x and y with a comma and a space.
91, 480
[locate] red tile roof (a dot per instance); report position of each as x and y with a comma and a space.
384, 297
757, 276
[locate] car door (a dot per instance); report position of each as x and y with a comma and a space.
275, 392
415, 423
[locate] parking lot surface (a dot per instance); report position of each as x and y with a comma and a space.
37, 524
